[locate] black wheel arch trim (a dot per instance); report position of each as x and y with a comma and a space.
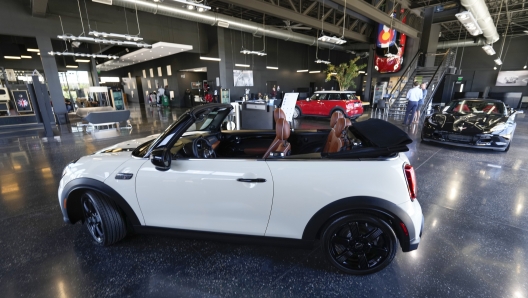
72, 215
365, 204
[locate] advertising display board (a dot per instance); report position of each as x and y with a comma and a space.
22, 102
117, 97
288, 105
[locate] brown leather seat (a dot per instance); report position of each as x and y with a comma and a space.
339, 130
278, 113
280, 145
336, 115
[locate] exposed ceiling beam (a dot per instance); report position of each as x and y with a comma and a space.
39, 7
379, 16
309, 8
326, 14
292, 5
351, 13
287, 14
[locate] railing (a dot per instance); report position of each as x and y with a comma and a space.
406, 73
447, 61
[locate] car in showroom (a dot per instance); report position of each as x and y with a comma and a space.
472, 122
390, 47
196, 180
325, 103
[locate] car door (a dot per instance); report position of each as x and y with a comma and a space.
334, 99
215, 195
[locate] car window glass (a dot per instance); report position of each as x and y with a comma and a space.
476, 107
318, 96
334, 96
347, 96
390, 50
2, 92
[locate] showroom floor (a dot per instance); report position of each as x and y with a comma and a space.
475, 242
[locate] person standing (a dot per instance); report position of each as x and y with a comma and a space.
423, 86
413, 96
161, 92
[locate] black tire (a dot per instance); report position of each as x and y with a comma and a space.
102, 218
359, 244
297, 114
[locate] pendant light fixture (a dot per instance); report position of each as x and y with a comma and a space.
317, 60
333, 39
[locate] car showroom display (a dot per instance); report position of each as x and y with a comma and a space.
476, 123
195, 180
390, 47
325, 103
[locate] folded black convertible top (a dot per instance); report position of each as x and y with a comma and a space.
379, 138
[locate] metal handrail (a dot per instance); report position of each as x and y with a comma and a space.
430, 95
405, 72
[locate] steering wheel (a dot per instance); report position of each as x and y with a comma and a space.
202, 148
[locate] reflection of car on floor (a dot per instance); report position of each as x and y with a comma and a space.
390, 47
325, 103
476, 123
195, 180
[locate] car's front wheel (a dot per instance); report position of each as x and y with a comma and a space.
102, 218
296, 113
359, 244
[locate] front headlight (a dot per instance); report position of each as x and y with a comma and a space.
499, 127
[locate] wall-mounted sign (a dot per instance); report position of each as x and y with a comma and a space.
196, 85
22, 102
512, 78
243, 78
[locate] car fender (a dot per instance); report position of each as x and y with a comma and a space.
71, 199
362, 204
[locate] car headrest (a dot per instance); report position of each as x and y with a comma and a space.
336, 115
347, 122
278, 113
282, 129
340, 126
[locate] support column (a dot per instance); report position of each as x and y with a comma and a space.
223, 62
370, 73
52, 78
429, 39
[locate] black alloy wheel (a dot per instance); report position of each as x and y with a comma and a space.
359, 244
102, 218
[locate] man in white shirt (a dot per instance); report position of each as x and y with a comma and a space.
414, 95
161, 92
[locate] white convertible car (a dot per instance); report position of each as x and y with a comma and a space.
349, 187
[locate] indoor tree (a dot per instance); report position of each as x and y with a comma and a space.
344, 73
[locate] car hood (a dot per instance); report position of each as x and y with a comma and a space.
127, 145
467, 123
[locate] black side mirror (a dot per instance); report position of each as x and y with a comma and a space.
161, 158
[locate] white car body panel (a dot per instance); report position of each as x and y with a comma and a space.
204, 194
308, 186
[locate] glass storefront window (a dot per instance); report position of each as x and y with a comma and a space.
73, 83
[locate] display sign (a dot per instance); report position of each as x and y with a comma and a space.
22, 102
242, 78
10, 73
288, 105
119, 103
196, 85
225, 97
512, 78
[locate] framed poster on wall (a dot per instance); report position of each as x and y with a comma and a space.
243, 78
22, 102
512, 78
196, 85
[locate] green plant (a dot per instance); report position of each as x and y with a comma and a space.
344, 73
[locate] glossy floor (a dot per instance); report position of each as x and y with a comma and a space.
475, 242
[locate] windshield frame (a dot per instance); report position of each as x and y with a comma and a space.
455, 103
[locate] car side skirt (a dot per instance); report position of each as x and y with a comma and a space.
95, 185
363, 204
224, 237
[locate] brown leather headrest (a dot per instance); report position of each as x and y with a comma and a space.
282, 129
347, 122
339, 127
335, 115
278, 113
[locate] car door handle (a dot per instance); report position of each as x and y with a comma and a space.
256, 180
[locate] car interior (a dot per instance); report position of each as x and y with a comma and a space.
258, 144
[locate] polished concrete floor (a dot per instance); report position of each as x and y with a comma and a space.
475, 242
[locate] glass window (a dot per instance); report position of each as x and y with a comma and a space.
334, 96
348, 96
73, 83
318, 96
2, 92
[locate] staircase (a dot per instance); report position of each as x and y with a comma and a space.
431, 75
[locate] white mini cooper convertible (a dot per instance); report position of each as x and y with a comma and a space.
349, 187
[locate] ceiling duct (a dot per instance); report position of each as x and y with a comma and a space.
212, 19
461, 43
480, 11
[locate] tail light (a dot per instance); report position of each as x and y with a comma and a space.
411, 180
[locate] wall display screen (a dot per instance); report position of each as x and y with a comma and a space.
22, 102
196, 85
512, 78
119, 103
243, 78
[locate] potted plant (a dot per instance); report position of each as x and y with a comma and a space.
344, 73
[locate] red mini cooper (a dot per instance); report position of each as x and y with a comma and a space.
324, 103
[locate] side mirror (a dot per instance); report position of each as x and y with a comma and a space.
161, 158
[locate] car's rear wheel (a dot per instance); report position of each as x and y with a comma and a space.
359, 244
296, 113
102, 218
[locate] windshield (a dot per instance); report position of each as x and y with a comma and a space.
388, 51
476, 107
